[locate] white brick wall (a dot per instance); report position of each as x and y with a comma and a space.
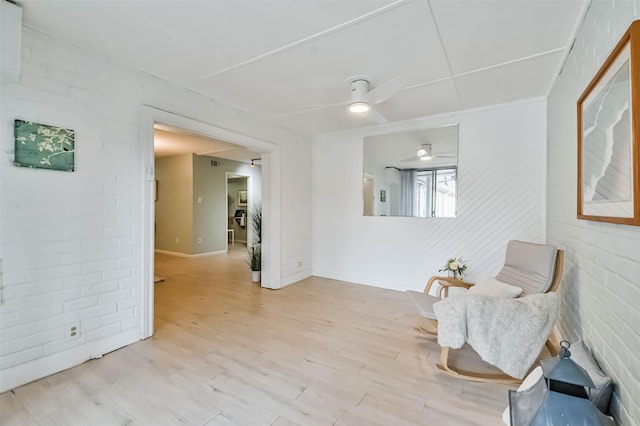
601, 290
71, 243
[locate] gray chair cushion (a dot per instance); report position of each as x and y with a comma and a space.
424, 303
529, 266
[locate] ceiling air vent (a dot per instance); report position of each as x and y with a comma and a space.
215, 163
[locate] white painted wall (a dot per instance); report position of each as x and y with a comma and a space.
71, 243
601, 289
174, 204
502, 160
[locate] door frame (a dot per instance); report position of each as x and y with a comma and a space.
249, 180
371, 178
270, 199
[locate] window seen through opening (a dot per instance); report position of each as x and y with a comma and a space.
436, 193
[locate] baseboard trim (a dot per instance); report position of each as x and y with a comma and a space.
178, 254
22, 374
210, 253
292, 279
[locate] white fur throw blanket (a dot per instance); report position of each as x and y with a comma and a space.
506, 333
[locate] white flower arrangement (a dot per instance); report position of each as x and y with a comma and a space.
455, 266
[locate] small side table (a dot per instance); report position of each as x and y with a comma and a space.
444, 283
233, 236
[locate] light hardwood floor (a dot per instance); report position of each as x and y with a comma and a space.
227, 352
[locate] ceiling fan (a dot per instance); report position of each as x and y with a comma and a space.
362, 100
425, 153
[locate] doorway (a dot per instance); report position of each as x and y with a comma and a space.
368, 197
270, 199
238, 207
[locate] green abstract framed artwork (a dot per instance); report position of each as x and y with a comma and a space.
45, 147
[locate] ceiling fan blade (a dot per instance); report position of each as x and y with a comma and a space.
324, 105
374, 116
385, 90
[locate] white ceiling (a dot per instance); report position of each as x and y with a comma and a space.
169, 140
269, 57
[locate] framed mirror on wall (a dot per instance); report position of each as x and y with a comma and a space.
411, 173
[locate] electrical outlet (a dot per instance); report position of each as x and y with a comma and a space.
177, 240
300, 264
73, 331
199, 240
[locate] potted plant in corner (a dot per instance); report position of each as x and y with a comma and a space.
255, 250
255, 262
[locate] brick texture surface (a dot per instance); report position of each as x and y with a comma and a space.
71, 243
601, 289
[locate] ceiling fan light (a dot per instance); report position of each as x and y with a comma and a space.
424, 153
359, 107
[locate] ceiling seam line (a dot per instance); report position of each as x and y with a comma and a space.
444, 52
439, 80
306, 39
289, 114
515, 61
424, 83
